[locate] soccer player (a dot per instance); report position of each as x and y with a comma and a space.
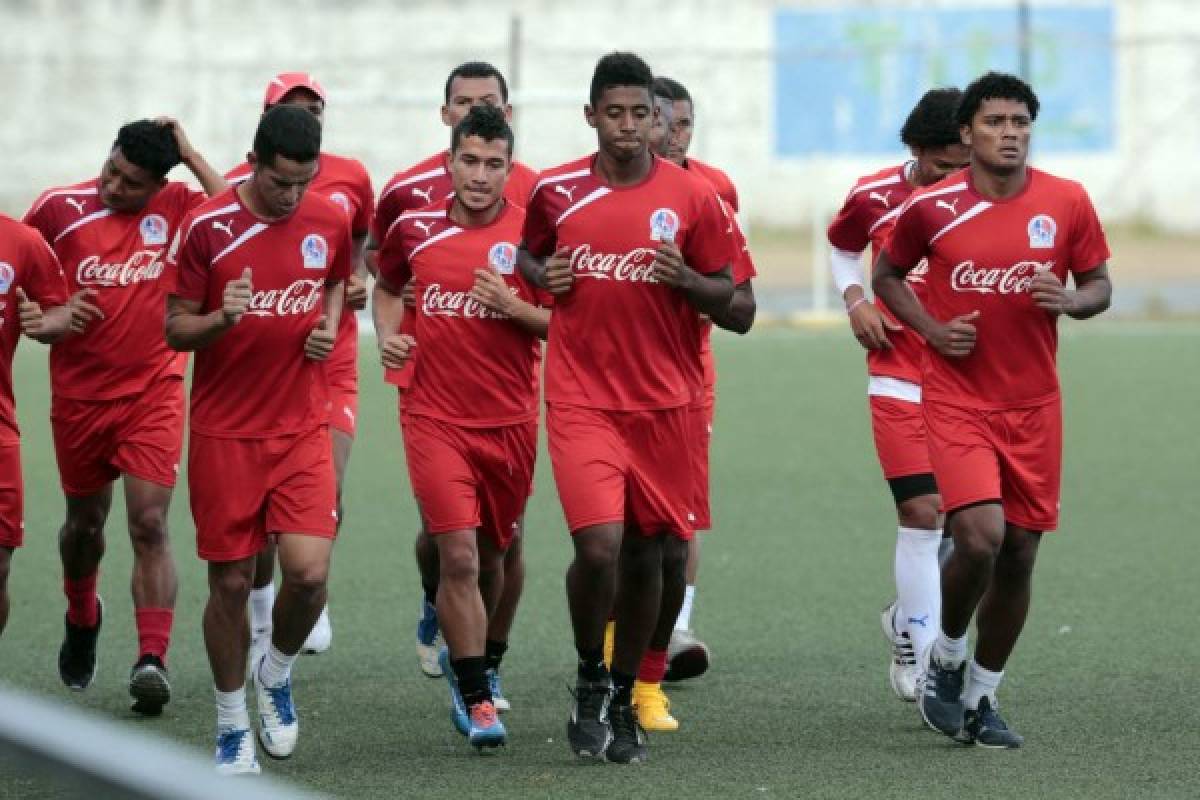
1000, 239
34, 302
344, 181
472, 406
631, 247
257, 277
468, 85
894, 368
117, 389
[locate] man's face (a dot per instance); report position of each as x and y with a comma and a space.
125, 187
998, 135
306, 99
622, 117
660, 131
282, 184
479, 168
468, 92
935, 163
682, 123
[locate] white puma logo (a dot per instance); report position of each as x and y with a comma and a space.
78, 205
949, 206
224, 226
883, 198
558, 187
427, 194
423, 225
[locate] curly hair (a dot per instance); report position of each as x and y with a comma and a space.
486, 122
149, 145
620, 69
932, 121
996, 86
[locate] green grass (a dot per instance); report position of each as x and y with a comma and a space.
1102, 684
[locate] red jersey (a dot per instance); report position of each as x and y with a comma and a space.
120, 255
28, 263
866, 219
473, 366
982, 257
619, 340
717, 179
344, 181
425, 183
254, 381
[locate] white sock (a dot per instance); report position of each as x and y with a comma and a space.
261, 602
981, 683
276, 667
684, 621
950, 652
231, 709
918, 585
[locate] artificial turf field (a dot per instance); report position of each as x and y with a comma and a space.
1104, 683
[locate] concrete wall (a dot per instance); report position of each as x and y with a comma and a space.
72, 72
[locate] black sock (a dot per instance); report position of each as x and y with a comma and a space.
472, 682
622, 688
430, 594
493, 652
591, 664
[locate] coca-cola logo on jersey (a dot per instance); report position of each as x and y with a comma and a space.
967, 277
144, 265
300, 297
438, 303
636, 266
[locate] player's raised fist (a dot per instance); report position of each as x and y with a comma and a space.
395, 350
669, 268
956, 339
559, 277
29, 312
83, 311
235, 301
319, 343
356, 292
1048, 292
491, 291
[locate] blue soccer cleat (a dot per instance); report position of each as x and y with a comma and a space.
458, 709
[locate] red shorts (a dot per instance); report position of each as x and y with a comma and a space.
624, 466
343, 408
470, 478
243, 489
1012, 455
702, 422
899, 428
12, 505
98, 441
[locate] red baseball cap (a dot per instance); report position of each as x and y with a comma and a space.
284, 82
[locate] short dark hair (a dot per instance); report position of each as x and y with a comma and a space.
620, 69
995, 86
477, 69
288, 131
148, 145
673, 89
486, 122
932, 122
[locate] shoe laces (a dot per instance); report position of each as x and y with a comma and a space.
903, 653
229, 744
653, 698
625, 724
989, 717
593, 701
281, 702
483, 715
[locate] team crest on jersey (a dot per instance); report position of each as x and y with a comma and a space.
7, 275
1041, 231
154, 229
664, 224
340, 199
503, 257
315, 251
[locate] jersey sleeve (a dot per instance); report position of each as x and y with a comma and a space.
1089, 247
42, 276
539, 233
908, 242
385, 214
43, 218
847, 231
188, 266
708, 245
393, 259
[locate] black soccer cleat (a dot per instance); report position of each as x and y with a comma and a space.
148, 685
77, 656
939, 698
985, 728
628, 745
589, 731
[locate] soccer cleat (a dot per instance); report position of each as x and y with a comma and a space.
610, 642
589, 731
486, 729
458, 709
985, 728
278, 727
148, 685
940, 700
235, 753
320, 637
429, 641
653, 707
628, 745
77, 655
687, 657
904, 670
498, 699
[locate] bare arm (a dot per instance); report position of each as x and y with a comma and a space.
43, 325
709, 294
953, 339
1091, 296
209, 178
491, 290
387, 311
356, 284
188, 329
739, 317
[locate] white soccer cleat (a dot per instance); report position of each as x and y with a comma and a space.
235, 753
278, 726
429, 641
904, 672
320, 637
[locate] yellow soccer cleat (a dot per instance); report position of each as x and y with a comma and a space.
653, 708
610, 641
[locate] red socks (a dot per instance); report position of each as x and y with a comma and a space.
654, 666
154, 631
83, 610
